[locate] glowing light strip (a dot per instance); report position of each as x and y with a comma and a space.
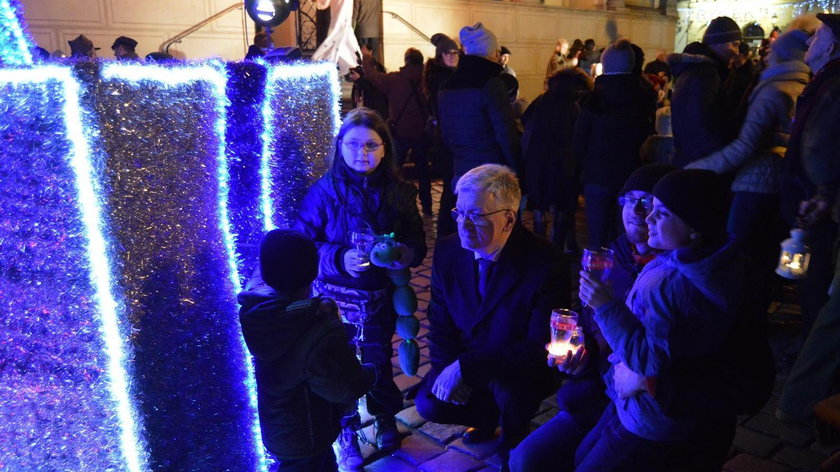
215, 75
277, 74
10, 19
132, 446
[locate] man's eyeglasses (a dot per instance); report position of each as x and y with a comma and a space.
645, 202
475, 218
369, 146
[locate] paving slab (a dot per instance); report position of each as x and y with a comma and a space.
417, 449
410, 417
800, 459
450, 461
479, 451
390, 464
405, 382
442, 433
790, 433
750, 463
755, 443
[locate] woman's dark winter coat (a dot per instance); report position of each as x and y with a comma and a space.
306, 373
616, 119
476, 117
344, 201
549, 159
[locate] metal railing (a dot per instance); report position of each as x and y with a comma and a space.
407, 24
164, 47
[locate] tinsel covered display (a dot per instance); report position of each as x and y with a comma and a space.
300, 105
132, 200
165, 186
246, 90
61, 406
15, 45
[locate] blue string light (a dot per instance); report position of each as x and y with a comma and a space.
212, 76
301, 102
15, 45
57, 85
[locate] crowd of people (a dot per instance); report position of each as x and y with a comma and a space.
691, 169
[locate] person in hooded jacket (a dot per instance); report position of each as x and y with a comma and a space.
363, 192
550, 167
703, 109
306, 373
695, 286
616, 119
756, 155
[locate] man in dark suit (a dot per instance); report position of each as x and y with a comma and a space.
494, 285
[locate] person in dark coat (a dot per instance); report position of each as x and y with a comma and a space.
616, 119
494, 284
659, 66
701, 109
367, 25
306, 373
581, 399
437, 71
814, 185
408, 112
364, 193
475, 113
550, 167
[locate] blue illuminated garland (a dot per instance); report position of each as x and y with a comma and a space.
163, 131
65, 399
301, 102
246, 86
15, 45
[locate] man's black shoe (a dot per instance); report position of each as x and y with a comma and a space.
478, 435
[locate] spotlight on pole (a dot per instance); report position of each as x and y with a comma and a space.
269, 13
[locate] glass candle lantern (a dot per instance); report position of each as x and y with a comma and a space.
563, 324
795, 256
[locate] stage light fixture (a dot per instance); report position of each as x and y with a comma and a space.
269, 13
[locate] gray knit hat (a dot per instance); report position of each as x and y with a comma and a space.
618, 58
722, 30
478, 40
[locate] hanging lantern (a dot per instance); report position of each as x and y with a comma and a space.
795, 256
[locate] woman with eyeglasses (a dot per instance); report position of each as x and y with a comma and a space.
678, 341
363, 193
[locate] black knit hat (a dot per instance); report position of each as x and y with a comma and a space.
288, 260
832, 20
722, 30
503, 50
698, 197
645, 178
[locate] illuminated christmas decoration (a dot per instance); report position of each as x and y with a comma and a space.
301, 102
123, 193
166, 184
65, 387
15, 46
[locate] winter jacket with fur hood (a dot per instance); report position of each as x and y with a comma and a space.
757, 152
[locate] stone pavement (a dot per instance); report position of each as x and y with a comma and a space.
762, 443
